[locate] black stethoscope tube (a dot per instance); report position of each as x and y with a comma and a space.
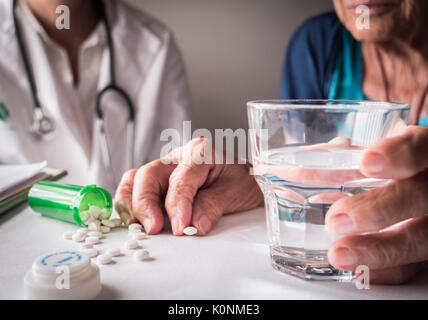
43, 125
112, 86
24, 57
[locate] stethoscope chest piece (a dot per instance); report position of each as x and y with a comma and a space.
41, 125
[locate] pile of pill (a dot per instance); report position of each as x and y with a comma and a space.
97, 220
98, 226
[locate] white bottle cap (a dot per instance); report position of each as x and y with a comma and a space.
62, 275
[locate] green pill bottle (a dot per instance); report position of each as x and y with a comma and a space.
68, 202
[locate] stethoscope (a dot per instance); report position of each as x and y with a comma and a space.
42, 125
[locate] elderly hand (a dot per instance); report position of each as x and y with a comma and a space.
192, 194
398, 253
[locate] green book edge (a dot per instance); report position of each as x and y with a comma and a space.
21, 197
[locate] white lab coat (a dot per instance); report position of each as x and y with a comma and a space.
148, 67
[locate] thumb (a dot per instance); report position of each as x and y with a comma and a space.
207, 209
399, 157
123, 197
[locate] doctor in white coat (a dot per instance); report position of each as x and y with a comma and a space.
69, 68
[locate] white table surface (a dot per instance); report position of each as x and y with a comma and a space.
231, 263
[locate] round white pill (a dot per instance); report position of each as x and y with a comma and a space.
131, 244
92, 240
83, 231
114, 252
138, 236
95, 234
86, 246
190, 231
134, 226
78, 237
104, 258
141, 255
85, 217
94, 226
93, 209
92, 252
104, 214
116, 222
68, 235
105, 229
108, 223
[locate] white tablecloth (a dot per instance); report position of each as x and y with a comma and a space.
231, 263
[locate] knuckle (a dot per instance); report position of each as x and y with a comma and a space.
129, 174
146, 170
416, 239
414, 192
180, 188
381, 254
143, 205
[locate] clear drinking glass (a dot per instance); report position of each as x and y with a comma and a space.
306, 154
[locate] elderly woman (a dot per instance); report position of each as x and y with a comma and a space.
350, 56
330, 56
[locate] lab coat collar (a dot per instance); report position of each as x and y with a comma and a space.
98, 37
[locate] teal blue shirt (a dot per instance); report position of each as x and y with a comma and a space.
324, 61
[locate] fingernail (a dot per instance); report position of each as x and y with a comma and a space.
342, 224
174, 225
343, 258
205, 224
147, 222
374, 162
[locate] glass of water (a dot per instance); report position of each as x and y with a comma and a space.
306, 154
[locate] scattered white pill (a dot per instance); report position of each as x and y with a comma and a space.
141, 255
104, 258
105, 229
94, 226
131, 244
190, 231
108, 223
104, 214
89, 221
92, 252
68, 235
78, 237
134, 226
95, 234
94, 209
114, 252
86, 246
92, 240
138, 235
85, 217
116, 222
83, 231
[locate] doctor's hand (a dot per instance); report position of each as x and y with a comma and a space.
190, 192
394, 255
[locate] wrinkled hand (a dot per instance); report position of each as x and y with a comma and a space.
192, 194
398, 253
